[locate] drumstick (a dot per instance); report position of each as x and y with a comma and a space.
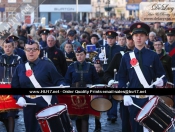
137, 106
30, 103
155, 81
115, 70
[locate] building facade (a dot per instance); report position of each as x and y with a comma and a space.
18, 10
53, 10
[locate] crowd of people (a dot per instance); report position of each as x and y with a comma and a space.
99, 52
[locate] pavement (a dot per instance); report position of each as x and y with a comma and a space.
107, 126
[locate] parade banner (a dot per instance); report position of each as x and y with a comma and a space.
7, 102
78, 105
87, 91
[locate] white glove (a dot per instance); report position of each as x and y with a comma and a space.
158, 82
145, 129
127, 100
110, 82
151, 96
21, 102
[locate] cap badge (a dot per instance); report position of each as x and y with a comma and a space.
109, 33
138, 26
169, 31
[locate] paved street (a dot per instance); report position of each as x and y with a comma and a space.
106, 125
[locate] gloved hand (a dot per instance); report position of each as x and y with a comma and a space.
21, 102
127, 100
61, 86
145, 129
158, 82
110, 82
151, 96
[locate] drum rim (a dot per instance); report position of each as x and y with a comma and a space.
147, 114
47, 117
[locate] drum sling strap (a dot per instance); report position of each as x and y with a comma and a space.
139, 72
35, 83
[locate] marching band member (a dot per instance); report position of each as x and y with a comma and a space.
44, 33
8, 63
110, 50
164, 58
79, 74
35, 73
170, 48
109, 77
139, 76
55, 55
111, 47
99, 68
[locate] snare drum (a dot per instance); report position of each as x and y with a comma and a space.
156, 116
100, 102
54, 118
116, 97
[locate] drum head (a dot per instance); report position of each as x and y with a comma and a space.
50, 111
146, 109
101, 104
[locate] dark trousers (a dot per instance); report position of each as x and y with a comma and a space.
124, 112
133, 111
31, 123
113, 111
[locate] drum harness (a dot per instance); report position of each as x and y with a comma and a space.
82, 71
35, 83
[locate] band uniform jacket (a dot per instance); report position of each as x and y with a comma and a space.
151, 67
8, 65
43, 43
57, 57
166, 61
114, 64
47, 76
87, 74
110, 52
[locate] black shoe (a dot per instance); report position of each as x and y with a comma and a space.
108, 119
97, 130
113, 120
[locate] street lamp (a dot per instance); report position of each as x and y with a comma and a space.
108, 9
99, 2
77, 10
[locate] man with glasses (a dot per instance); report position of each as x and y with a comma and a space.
35, 73
164, 58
